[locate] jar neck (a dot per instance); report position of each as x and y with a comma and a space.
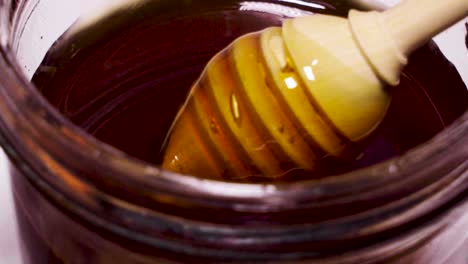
104, 187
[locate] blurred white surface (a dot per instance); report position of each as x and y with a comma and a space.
9, 246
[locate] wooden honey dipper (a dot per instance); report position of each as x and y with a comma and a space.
281, 99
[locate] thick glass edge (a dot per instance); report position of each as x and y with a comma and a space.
239, 197
454, 137
127, 165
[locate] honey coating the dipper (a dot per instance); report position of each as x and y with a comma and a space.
308, 89
260, 110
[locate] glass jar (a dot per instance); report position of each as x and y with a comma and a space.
79, 200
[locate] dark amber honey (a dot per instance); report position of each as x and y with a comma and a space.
125, 84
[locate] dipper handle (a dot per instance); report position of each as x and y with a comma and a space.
387, 38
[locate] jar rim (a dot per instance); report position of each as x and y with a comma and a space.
45, 130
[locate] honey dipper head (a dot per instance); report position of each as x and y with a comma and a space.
281, 100
277, 101
336, 76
